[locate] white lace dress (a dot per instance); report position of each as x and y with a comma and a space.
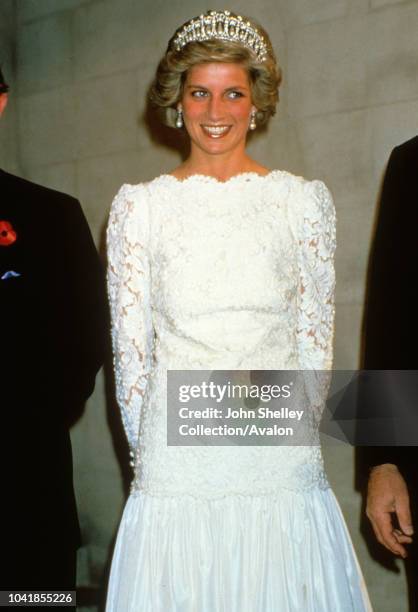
233, 275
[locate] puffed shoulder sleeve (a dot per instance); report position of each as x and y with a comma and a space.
128, 283
316, 301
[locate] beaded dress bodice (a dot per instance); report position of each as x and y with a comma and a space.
209, 275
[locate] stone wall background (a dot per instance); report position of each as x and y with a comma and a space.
77, 121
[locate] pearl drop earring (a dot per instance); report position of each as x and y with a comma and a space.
253, 123
179, 118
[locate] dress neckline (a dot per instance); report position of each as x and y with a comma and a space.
207, 178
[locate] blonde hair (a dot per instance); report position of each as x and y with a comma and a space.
264, 77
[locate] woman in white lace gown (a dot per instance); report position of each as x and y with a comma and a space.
223, 264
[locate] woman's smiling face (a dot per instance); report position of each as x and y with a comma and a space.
217, 107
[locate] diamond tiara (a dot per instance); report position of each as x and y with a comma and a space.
222, 25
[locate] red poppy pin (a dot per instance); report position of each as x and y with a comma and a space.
7, 234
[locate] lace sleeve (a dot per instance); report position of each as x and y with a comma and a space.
316, 304
128, 281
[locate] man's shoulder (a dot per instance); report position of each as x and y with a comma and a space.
15, 186
407, 149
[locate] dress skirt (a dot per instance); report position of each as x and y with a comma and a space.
290, 552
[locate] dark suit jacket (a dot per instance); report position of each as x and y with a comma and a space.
390, 321
53, 328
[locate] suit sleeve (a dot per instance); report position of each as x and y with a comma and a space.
78, 314
390, 327
388, 332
